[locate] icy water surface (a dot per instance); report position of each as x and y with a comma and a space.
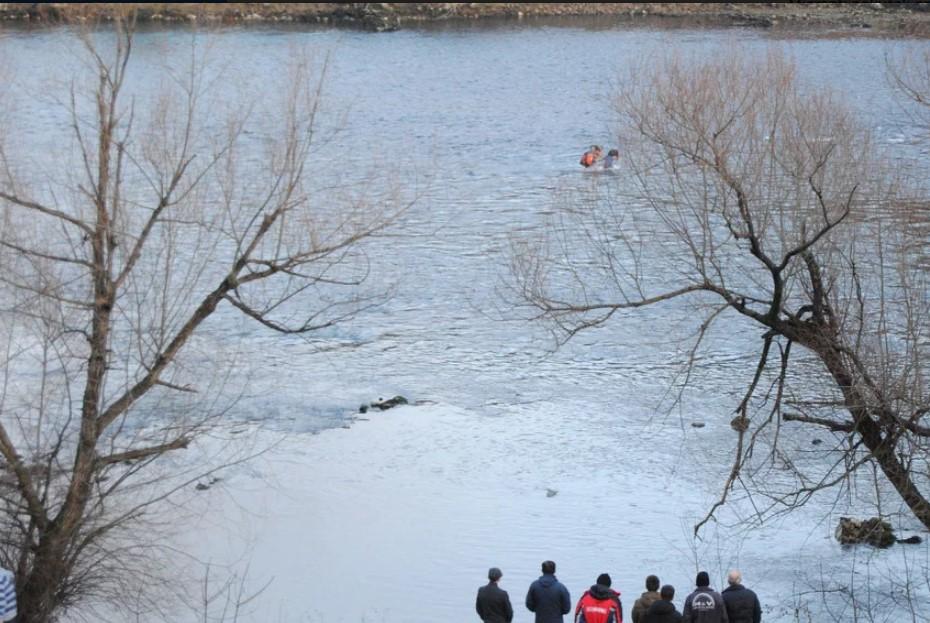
397, 519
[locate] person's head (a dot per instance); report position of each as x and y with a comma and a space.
702, 579
494, 574
652, 583
598, 149
613, 153
734, 577
548, 567
604, 580
668, 592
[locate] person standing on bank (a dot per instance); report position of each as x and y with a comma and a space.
741, 603
493, 603
548, 597
663, 610
641, 606
704, 605
599, 604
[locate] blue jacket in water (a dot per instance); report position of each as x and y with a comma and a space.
549, 599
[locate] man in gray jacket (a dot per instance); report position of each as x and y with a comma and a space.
493, 603
548, 597
704, 605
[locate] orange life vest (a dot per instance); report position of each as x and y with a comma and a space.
587, 159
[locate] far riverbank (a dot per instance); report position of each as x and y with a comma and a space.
901, 17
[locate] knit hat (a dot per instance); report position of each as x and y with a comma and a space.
702, 579
604, 580
494, 574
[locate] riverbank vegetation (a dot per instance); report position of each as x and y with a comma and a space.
888, 16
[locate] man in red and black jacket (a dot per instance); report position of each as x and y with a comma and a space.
599, 604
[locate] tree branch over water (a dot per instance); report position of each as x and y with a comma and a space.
752, 197
170, 220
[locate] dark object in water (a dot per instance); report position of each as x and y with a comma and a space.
873, 531
740, 423
388, 404
912, 540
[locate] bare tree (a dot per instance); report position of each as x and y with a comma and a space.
764, 204
162, 215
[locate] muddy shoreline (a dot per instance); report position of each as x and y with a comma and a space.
897, 17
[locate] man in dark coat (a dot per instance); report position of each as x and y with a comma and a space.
704, 605
663, 610
741, 603
493, 603
548, 597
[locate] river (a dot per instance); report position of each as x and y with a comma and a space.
398, 518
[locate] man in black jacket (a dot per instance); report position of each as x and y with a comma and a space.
548, 597
493, 603
742, 604
663, 610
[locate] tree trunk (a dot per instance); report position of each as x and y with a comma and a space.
881, 446
37, 600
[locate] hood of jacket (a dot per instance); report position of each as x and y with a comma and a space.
547, 580
599, 591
